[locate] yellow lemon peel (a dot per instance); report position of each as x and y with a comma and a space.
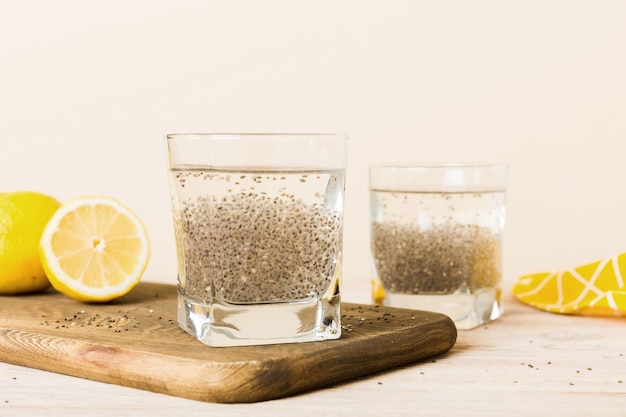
23, 216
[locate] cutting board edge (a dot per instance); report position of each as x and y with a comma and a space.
364, 351
79, 362
83, 359
444, 340
440, 334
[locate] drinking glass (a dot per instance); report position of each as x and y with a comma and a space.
258, 221
436, 239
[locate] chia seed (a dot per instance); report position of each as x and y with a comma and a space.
440, 260
257, 245
437, 242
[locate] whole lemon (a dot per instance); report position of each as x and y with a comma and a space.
23, 216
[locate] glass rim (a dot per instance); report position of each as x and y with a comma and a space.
272, 152
249, 135
440, 165
441, 177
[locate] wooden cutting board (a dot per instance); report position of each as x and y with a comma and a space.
136, 342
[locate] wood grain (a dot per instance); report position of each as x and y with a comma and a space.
136, 342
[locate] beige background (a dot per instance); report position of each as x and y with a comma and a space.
89, 88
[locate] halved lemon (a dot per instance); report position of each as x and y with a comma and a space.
94, 249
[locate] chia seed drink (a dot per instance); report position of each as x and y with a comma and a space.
258, 232
439, 251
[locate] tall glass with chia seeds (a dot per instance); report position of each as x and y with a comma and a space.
436, 239
258, 220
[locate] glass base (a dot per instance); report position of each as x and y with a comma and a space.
222, 324
467, 310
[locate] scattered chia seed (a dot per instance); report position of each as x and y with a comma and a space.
116, 322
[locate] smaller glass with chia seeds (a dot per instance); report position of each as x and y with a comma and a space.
436, 239
258, 221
